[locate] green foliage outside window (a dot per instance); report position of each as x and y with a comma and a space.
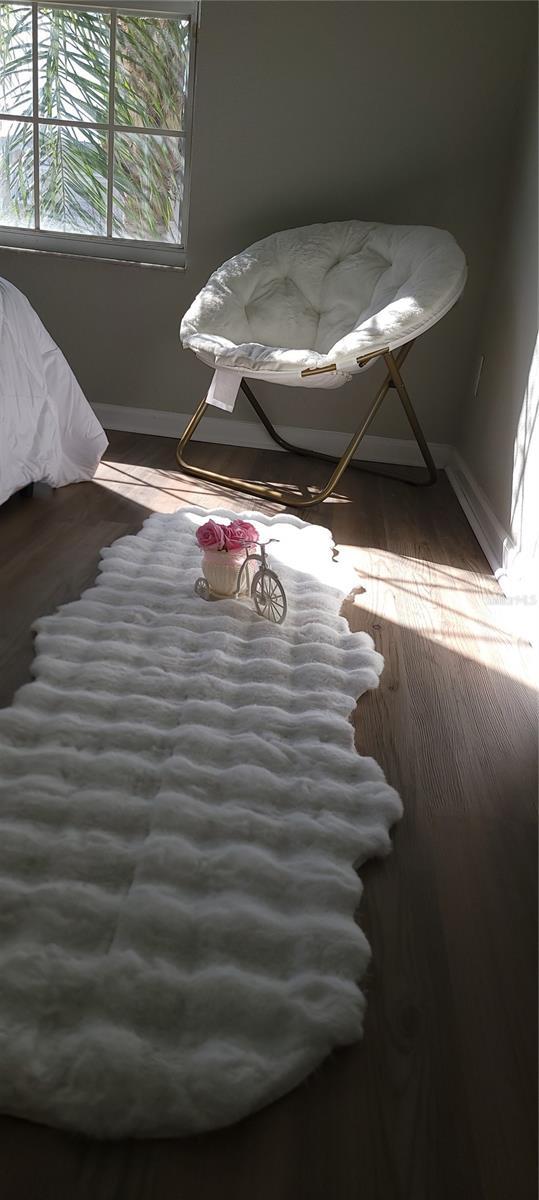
141, 197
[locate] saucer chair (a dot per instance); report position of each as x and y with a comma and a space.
312, 307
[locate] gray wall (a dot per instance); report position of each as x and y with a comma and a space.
401, 112
508, 333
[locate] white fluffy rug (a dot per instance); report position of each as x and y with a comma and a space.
181, 811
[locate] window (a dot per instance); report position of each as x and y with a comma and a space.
95, 114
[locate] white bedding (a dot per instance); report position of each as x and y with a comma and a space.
48, 431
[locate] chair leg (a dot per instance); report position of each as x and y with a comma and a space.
397, 382
400, 386
393, 379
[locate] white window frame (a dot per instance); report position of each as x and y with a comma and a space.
164, 254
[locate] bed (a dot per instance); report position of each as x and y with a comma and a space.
48, 432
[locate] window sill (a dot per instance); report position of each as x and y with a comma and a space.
94, 249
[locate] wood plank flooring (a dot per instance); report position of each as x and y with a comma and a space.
438, 1102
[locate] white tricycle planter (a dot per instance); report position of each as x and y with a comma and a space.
235, 579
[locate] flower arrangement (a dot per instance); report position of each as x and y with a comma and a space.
237, 535
224, 548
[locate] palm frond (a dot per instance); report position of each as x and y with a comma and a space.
73, 77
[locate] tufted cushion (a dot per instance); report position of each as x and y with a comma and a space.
323, 294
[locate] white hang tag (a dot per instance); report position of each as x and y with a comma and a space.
224, 388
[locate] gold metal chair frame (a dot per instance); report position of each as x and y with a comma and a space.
393, 379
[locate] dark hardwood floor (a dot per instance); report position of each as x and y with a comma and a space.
438, 1102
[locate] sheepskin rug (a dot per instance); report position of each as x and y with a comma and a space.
181, 812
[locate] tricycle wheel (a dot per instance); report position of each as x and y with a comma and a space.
268, 596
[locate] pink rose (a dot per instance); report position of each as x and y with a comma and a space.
211, 536
239, 534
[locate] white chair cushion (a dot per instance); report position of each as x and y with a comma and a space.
324, 294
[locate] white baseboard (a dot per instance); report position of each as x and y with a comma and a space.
494, 540
232, 432
516, 576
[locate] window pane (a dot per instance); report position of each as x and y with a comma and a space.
16, 174
73, 179
148, 187
74, 57
152, 58
16, 58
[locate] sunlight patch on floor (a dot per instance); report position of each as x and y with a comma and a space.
161, 491
166, 491
451, 606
